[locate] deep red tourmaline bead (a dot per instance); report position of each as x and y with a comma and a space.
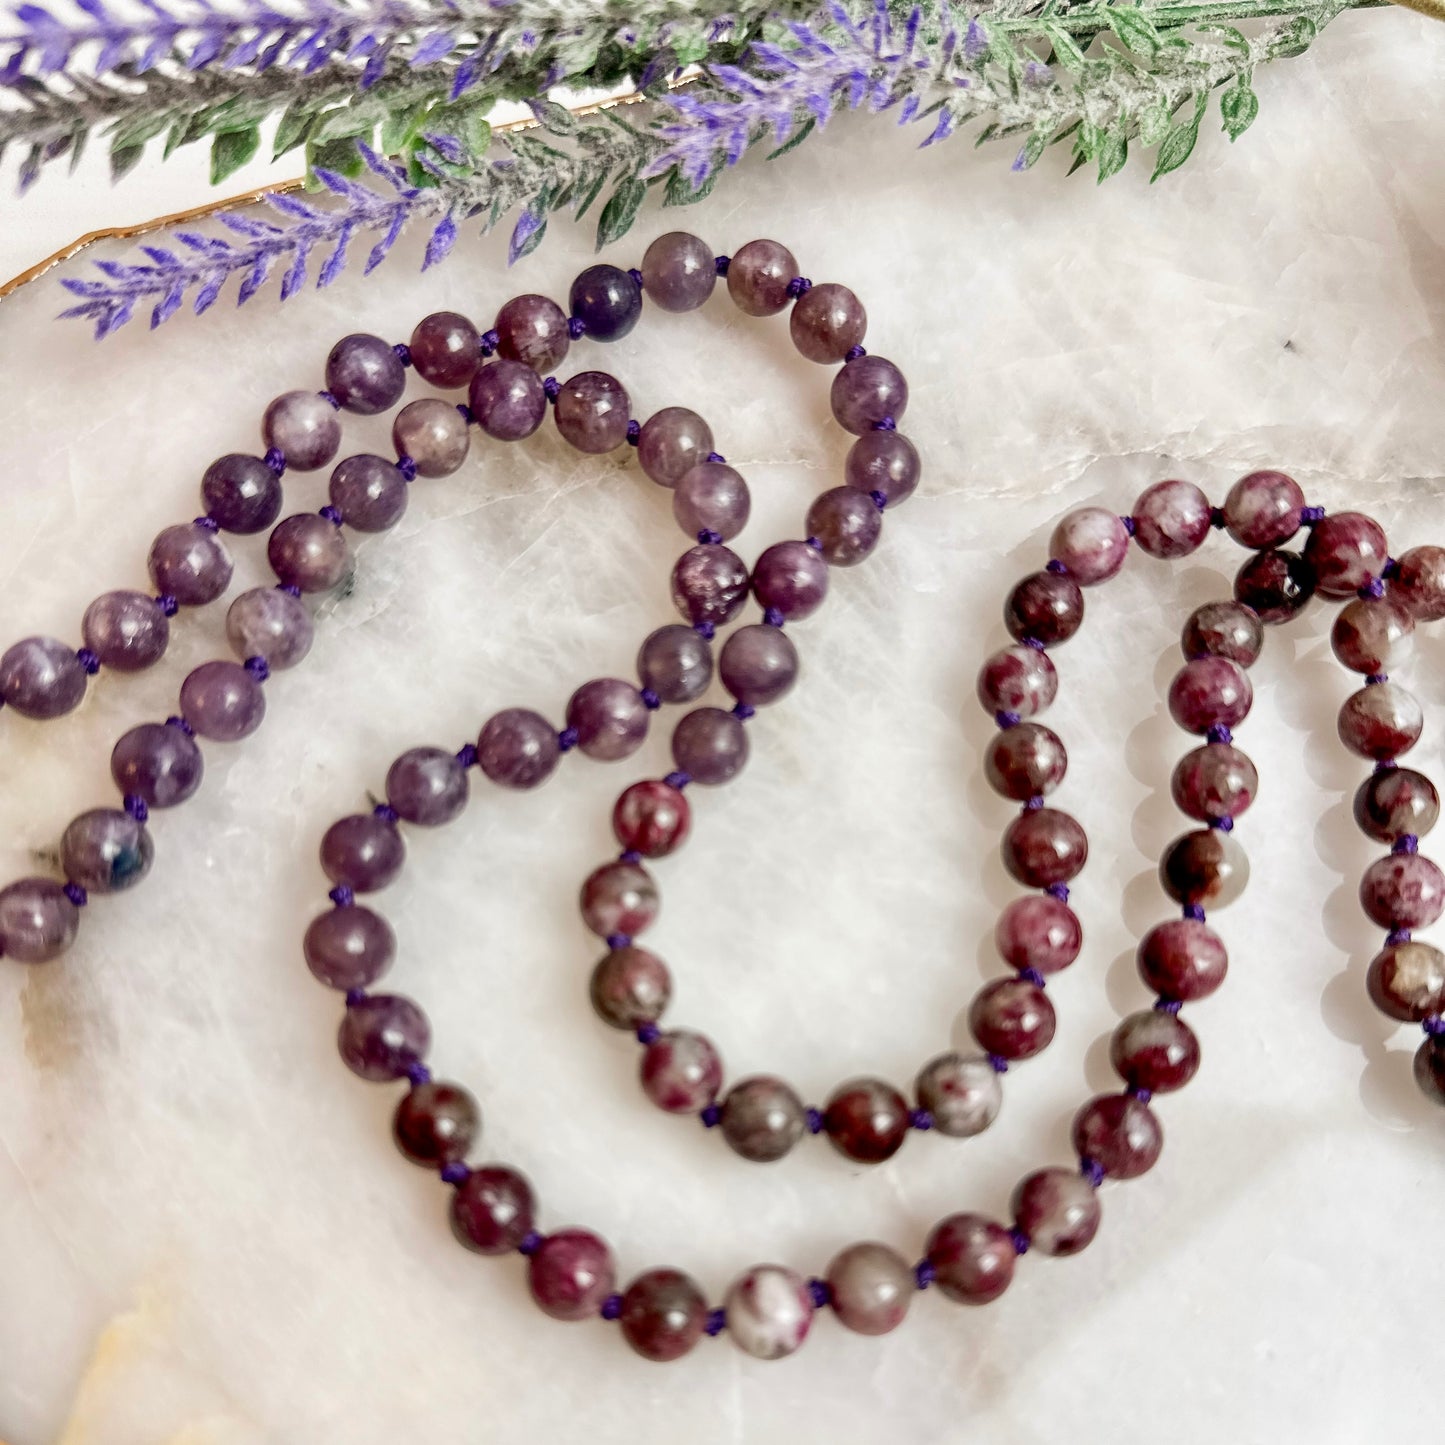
571, 1273
1223, 629
435, 1124
619, 898
652, 818
1276, 585
1210, 692
866, 1120
1012, 1018
1038, 932
1044, 847
681, 1072
1020, 680
1381, 722
630, 986
1206, 868
1372, 634
663, 1314
1215, 781
1057, 1210
1348, 551
1154, 1050
1263, 509
972, 1258
1026, 761
1046, 607
1403, 890
1396, 802
1120, 1134
492, 1210
1182, 959
1419, 583
1407, 981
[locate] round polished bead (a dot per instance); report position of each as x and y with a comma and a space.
1381, 721
1044, 847
619, 898
675, 662
1092, 543
1263, 509
1403, 890
792, 578
885, 462
607, 301
678, 271
710, 746
189, 563
972, 1257
961, 1092
758, 277
369, 491
1212, 782
630, 986
1276, 585
37, 921
269, 623
1171, 519
1430, 1069
1210, 692
349, 947
711, 497
222, 701
1372, 634
1395, 802
427, 786
1039, 932
364, 374
866, 392
1207, 869
507, 400
1419, 582
1154, 1050
445, 349
1120, 1134
709, 584
1223, 629
609, 717
870, 1288
518, 748
160, 765
1407, 981
1020, 680
532, 330
762, 1118
241, 493
382, 1036
769, 1310
1057, 1210
592, 412
492, 1210
680, 1071
1183, 959
435, 1124
1026, 761
663, 1312
41, 678
362, 852
433, 433
1347, 550
828, 321
758, 665
1012, 1018
672, 441
309, 553
106, 851
302, 426
571, 1273
1045, 607
846, 525
866, 1120
652, 818
127, 631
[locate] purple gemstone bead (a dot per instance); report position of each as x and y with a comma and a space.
41, 678
710, 746
106, 851
435, 1124
1027, 761
1057, 1210
1263, 509
972, 1257
672, 441
1044, 847
709, 584
592, 412
870, 1286
492, 1210
518, 748
532, 329
427, 786
508, 401
610, 718
1407, 981
349, 947
1120, 1134
1372, 634
866, 1120
1182, 959
1403, 890
1430, 1069
1154, 1050
680, 1071
1020, 680
962, 1093
364, 374
865, 392
828, 321
1171, 519
1207, 868
1212, 782
758, 665
769, 1308
445, 349
308, 552
1012, 1018
160, 765
127, 631
241, 493
1419, 582
222, 701
619, 898
886, 462
1347, 550
37, 921
362, 852
190, 564
1395, 802
607, 301
711, 497
434, 434
302, 426
758, 276
663, 1311
1210, 692
382, 1036
630, 986
676, 663
1223, 629
369, 492
762, 1118
846, 523
1275, 584
571, 1273
1381, 721
678, 272
1045, 607
652, 818
267, 622
1039, 932
791, 577
1092, 543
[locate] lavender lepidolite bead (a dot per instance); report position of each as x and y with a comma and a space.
710, 746
1381, 721
1217, 781
1183, 959
630, 986
1210, 692
1372, 634
1092, 543
1057, 1210
592, 412
769, 1311
106, 851
1395, 802
364, 374
222, 701
1263, 509
758, 277
961, 1091
241, 493
846, 525
570, 1274
41, 678
1120, 1134
676, 663
445, 349
1419, 582
362, 852
37, 921
672, 441
972, 1257
866, 1120
1154, 1050
1347, 551
870, 1288
619, 898
678, 271
663, 1311
127, 631
680, 1071
1039, 932
190, 564
507, 400
709, 584
1044, 847
369, 492
1275, 584
1407, 981
1223, 629
886, 462
160, 765
1207, 868
1404, 890
607, 301
610, 718
308, 552
518, 748
433, 433
1171, 519
349, 947
382, 1036
791, 577
758, 665
427, 786
828, 321
267, 622
866, 392
492, 1210
435, 1124
1020, 680
1025, 762
762, 1118
1012, 1018
302, 426
1430, 1070
532, 329
1045, 607
711, 497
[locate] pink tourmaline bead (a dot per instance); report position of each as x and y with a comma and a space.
1020, 680
619, 898
866, 392
758, 276
1183, 959
41, 678
1276, 584
362, 852
791, 577
870, 1288
492, 1210
1210, 692
1092, 543
518, 748
127, 631
1057, 1210
435, 1124
1216, 781
1420, 582
1372, 634
1171, 519
972, 1258
190, 563
758, 664
160, 764
846, 524
710, 746
609, 718
1040, 932
711, 497
308, 552
267, 622
1044, 847
1154, 1050
762, 1118
630, 986
1045, 607
710, 584
383, 1036
1120, 1134
671, 442
1430, 1069
1403, 890
663, 1311
1223, 629
507, 400
681, 1071
302, 426
1380, 722
445, 349
1407, 981
1207, 868
222, 701
678, 272
1395, 802
886, 462
1263, 509
1012, 1018
652, 818
364, 374
38, 922
769, 1311
961, 1091
434, 434
592, 412
349, 947
105, 850
570, 1274
828, 321
866, 1120
427, 787
1348, 550
532, 330
1025, 761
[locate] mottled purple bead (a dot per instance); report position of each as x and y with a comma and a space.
1154, 1050
190, 564
1223, 629
1057, 1211
610, 718
630, 986
769, 1310
711, 497
1210, 692
1263, 509
1419, 582
961, 1093
1372, 634
302, 426
828, 321
619, 898
1403, 890
37, 921
427, 786
663, 1311
1012, 1018
1020, 680
492, 1210
445, 349
1347, 550
1430, 1069
592, 412
362, 852
241, 493
308, 552
1044, 847
791, 577
972, 1257
508, 401
1183, 959
676, 663
1207, 868
885, 462
1276, 585
106, 851
1381, 721
1171, 519
866, 1120
758, 277
222, 701
369, 492
678, 271
435, 1124
867, 391
845, 524
762, 1118
127, 631
1039, 932
1120, 1134
434, 434
349, 947
1215, 781
518, 748
160, 765
680, 1071
1395, 802
364, 374
672, 441
607, 301
532, 329
1092, 543
870, 1288
1406, 981
710, 746
570, 1274
1026, 761
267, 622
1045, 607
709, 584
382, 1036
758, 664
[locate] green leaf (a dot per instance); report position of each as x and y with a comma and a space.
794, 140
124, 159
1113, 150
340, 156
1154, 123
620, 211
175, 136
679, 190
400, 127
1293, 38
589, 193
349, 120
138, 131
1176, 147
1238, 105
416, 173
293, 127
1066, 50
691, 48
231, 150
531, 243
1134, 28
1231, 35
554, 118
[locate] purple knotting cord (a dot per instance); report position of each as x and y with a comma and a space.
1385, 765
258, 667
531, 1243
716, 457
88, 660
1006, 720
629, 855
136, 807
331, 514
491, 340
717, 1322
330, 400
998, 1063
1034, 803
821, 1295
1373, 588
924, 1273
576, 328
920, 1119
407, 467
611, 1307
887, 424
1194, 911
1390, 570
1310, 515
1405, 843
402, 352
773, 617
646, 1033
742, 711
418, 1074
619, 940
1376, 678
567, 739
342, 895
455, 1173
879, 498
467, 755
1059, 891
635, 274
1433, 1025
711, 1116
276, 459
1035, 643
1168, 1005
1129, 524
854, 352
208, 524
705, 630
816, 543
1397, 936
385, 812
799, 286
1143, 1095
1059, 569
290, 589
650, 699
1033, 976
355, 997
1224, 825
551, 386
814, 1119
720, 264
678, 780
1019, 1239
708, 537
1219, 734
634, 431
1092, 1170
76, 894
466, 413
1216, 518
182, 724
168, 604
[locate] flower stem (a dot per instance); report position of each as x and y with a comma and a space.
1094, 19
